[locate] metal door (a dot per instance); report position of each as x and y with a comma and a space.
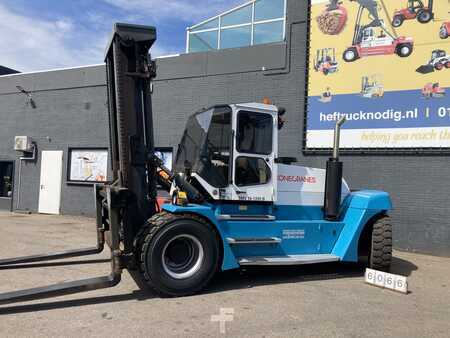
50, 184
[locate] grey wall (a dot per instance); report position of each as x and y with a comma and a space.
418, 184
70, 112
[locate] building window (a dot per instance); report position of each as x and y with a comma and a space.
236, 37
203, 41
268, 32
269, 10
255, 22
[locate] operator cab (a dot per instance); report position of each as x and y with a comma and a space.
414, 6
229, 151
438, 53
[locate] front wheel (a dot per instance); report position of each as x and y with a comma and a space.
179, 255
404, 50
424, 16
350, 54
439, 66
380, 255
397, 21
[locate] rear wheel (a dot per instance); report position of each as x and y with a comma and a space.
439, 66
404, 50
350, 54
447, 64
380, 254
397, 21
443, 34
179, 254
424, 16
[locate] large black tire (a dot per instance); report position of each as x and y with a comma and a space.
397, 21
380, 254
424, 16
350, 54
178, 254
404, 50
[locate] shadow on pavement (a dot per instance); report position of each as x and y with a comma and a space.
230, 280
52, 264
402, 267
135, 295
271, 275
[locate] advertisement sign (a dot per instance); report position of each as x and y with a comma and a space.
385, 65
88, 165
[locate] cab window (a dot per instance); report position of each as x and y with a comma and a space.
251, 171
254, 134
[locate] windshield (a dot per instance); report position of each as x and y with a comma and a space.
205, 146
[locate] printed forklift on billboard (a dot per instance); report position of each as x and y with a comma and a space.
372, 86
235, 202
415, 9
325, 61
366, 40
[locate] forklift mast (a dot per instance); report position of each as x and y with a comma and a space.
372, 8
130, 71
123, 206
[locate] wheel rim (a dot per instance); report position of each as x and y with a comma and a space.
182, 256
397, 22
404, 50
425, 16
349, 55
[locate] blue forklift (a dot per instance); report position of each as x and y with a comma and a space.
234, 201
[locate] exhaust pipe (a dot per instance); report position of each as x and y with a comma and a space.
333, 180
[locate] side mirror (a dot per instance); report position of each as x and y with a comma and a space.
281, 120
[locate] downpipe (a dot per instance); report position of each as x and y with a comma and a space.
333, 180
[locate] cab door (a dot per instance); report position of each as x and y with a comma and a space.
255, 148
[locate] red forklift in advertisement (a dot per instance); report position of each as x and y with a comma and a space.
444, 32
433, 90
374, 38
325, 61
416, 9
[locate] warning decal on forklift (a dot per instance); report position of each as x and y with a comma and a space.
385, 66
294, 234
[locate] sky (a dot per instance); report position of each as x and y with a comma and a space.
47, 34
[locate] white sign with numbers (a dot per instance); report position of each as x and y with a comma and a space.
386, 280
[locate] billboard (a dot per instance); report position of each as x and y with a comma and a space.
385, 65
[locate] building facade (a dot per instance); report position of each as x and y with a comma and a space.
70, 113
